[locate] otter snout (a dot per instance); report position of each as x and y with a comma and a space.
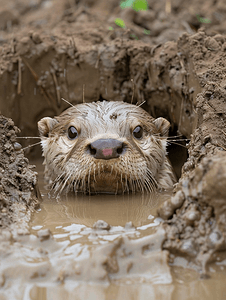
106, 148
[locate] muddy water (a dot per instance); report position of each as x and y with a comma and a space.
67, 257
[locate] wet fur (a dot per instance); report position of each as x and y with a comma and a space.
69, 166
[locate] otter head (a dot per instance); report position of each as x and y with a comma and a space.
110, 147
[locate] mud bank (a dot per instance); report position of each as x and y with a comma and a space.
58, 48
66, 49
19, 194
197, 211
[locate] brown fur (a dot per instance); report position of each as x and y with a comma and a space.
68, 165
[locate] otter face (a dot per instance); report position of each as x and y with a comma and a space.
109, 147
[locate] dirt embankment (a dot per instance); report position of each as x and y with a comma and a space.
197, 211
70, 49
19, 194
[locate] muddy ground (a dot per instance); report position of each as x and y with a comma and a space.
172, 56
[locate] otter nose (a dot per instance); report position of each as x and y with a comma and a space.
106, 148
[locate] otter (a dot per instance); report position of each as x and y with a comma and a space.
106, 147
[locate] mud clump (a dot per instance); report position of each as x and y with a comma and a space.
196, 213
19, 194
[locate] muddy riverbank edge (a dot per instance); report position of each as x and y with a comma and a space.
183, 81
19, 193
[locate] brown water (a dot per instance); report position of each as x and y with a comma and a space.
75, 260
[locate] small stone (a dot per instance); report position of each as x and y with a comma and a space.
25, 40
101, 225
177, 200
44, 234
17, 146
36, 38
188, 247
129, 225
211, 44
215, 237
166, 210
191, 216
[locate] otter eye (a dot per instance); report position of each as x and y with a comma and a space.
72, 133
138, 132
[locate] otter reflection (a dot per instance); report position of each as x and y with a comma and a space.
86, 210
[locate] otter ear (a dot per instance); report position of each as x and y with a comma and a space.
45, 125
162, 126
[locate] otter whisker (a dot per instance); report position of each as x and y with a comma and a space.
32, 145
81, 185
138, 105
28, 137
126, 178
94, 175
177, 144
89, 181
137, 187
122, 184
144, 186
67, 102
55, 182
126, 183
166, 137
112, 167
133, 91
83, 93
134, 181
145, 183
71, 105
56, 187
65, 182
62, 181
133, 186
148, 185
84, 184
131, 182
151, 178
98, 169
116, 192
179, 140
77, 182
140, 182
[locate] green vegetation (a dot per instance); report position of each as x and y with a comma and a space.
137, 5
134, 36
202, 20
120, 23
147, 31
127, 3
140, 5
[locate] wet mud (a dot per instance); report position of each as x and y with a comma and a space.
173, 58
19, 192
71, 251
